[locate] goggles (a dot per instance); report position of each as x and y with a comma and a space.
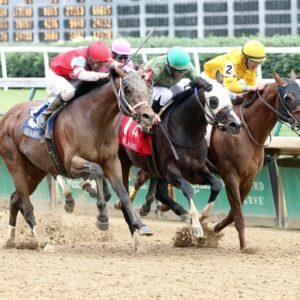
119, 57
95, 64
176, 72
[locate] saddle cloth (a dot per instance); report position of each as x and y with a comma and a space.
133, 138
30, 127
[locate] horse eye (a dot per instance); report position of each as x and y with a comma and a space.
128, 90
289, 98
213, 102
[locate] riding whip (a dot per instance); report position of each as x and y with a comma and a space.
135, 53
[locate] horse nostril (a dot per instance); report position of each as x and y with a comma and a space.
147, 117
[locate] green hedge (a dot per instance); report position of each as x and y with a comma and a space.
31, 64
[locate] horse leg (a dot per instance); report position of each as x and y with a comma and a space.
113, 171
215, 188
163, 197
26, 178
235, 214
84, 168
69, 200
188, 192
150, 197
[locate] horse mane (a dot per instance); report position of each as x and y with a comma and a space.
85, 87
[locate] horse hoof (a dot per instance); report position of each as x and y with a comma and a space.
145, 230
69, 207
103, 226
117, 205
197, 232
162, 207
9, 244
144, 210
186, 218
92, 193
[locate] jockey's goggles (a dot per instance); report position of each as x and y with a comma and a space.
254, 63
99, 64
176, 72
119, 57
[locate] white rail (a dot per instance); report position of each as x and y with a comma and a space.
9, 82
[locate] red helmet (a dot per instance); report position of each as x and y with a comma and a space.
98, 52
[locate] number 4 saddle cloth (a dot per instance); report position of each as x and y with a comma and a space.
133, 138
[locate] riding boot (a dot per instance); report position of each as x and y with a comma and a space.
156, 106
53, 106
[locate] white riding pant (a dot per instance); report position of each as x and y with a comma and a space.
59, 85
166, 94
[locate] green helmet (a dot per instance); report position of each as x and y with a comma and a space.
178, 58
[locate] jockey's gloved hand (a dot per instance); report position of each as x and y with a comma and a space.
199, 83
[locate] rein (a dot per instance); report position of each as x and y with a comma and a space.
290, 122
244, 123
167, 133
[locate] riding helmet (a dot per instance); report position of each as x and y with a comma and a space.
254, 50
98, 52
178, 58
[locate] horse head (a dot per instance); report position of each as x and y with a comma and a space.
289, 96
218, 106
133, 98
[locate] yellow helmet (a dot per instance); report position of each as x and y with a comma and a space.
254, 50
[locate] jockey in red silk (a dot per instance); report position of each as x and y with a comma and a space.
78, 64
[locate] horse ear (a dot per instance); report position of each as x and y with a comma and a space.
293, 74
278, 79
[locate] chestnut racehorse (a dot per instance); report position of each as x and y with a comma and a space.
85, 134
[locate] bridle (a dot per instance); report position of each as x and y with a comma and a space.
124, 103
215, 118
283, 112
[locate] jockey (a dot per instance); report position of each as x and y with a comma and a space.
78, 64
238, 64
120, 51
166, 71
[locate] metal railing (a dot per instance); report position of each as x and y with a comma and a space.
17, 82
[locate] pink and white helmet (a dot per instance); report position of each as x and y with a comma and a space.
121, 46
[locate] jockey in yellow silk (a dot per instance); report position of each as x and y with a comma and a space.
237, 68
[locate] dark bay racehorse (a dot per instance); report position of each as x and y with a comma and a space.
238, 160
85, 133
184, 123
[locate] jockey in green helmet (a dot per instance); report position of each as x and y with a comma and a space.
166, 72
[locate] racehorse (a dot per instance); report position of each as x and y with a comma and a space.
85, 134
238, 160
179, 145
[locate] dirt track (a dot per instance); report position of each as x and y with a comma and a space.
85, 263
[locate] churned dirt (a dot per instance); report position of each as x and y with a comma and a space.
85, 263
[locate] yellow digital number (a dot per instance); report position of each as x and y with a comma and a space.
23, 24
49, 11
3, 24
101, 10
102, 34
76, 23
74, 11
22, 11
3, 36
101, 23
24, 36
3, 12
51, 36
51, 24
74, 35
